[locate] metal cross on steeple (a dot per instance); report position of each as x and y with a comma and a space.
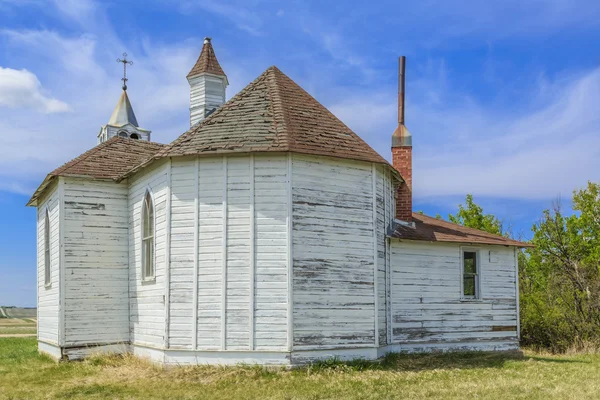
125, 61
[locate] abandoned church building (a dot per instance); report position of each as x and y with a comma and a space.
268, 233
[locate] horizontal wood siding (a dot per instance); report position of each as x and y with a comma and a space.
210, 252
238, 253
426, 303
183, 195
48, 297
385, 198
270, 216
147, 299
96, 262
333, 253
206, 93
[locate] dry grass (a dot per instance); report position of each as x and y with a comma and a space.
9, 326
25, 374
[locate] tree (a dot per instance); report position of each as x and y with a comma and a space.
560, 279
472, 216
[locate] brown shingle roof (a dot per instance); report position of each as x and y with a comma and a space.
207, 61
108, 160
437, 230
272, 113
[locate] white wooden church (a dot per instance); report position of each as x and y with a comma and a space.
268, 233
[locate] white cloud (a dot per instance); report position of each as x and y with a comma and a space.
542, 150
22, 89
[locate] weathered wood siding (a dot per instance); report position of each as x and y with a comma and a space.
206, 93
48, 296
147, 299
427, 310
385, 215
96, 262
228, 223
333, 253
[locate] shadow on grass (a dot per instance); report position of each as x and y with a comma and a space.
433, 361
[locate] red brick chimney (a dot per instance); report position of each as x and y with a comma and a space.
402, 153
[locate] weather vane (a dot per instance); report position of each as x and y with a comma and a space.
125, 61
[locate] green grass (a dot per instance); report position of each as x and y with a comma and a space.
24, 374
11, 326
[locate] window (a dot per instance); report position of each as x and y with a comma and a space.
134, 136
47, 278
470, 274
147, 237
123, 134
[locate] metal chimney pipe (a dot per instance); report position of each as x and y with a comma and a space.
401, 70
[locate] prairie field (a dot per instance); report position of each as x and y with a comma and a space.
24, 374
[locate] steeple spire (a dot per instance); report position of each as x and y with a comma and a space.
123, 122
207, 82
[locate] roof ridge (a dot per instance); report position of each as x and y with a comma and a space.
276, 105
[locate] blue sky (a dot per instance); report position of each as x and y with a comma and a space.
503, 97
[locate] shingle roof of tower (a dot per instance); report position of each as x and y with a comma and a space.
207, 61
272, 114
123, 113
108, 160
437, 230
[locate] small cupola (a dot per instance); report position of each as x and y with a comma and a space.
123, 122
208, 84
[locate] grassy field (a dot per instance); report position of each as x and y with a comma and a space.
26, 375
18, 322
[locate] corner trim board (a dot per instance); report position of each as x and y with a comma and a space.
196, 249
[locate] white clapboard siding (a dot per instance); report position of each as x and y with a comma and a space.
385, 209
254, 246
48, 296
211, 187
426, 297
147, 299
96, 262
333, 255
271, 239
206, 92
238, 253
183, 197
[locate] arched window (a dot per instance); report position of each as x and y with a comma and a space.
123, 134
47, 277
148, 237
134, 136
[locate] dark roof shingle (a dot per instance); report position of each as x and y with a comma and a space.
272, 114
437, 230
108, 160
207, 61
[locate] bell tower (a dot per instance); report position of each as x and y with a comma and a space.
208, 83
123, 122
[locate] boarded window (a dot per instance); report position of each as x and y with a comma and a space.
47, 277
148, 237
470, 274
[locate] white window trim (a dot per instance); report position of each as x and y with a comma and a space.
477, 252
147, 279
47, 249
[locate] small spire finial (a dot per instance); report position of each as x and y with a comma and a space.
207, 40
125, 61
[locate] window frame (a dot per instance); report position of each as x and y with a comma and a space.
144, 240
476, 250
47, 249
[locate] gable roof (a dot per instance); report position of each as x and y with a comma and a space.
272, 114
437, 230
207, 62
123, 113
108, 160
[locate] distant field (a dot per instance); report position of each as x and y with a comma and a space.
28, 375
20, 312
19, 321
